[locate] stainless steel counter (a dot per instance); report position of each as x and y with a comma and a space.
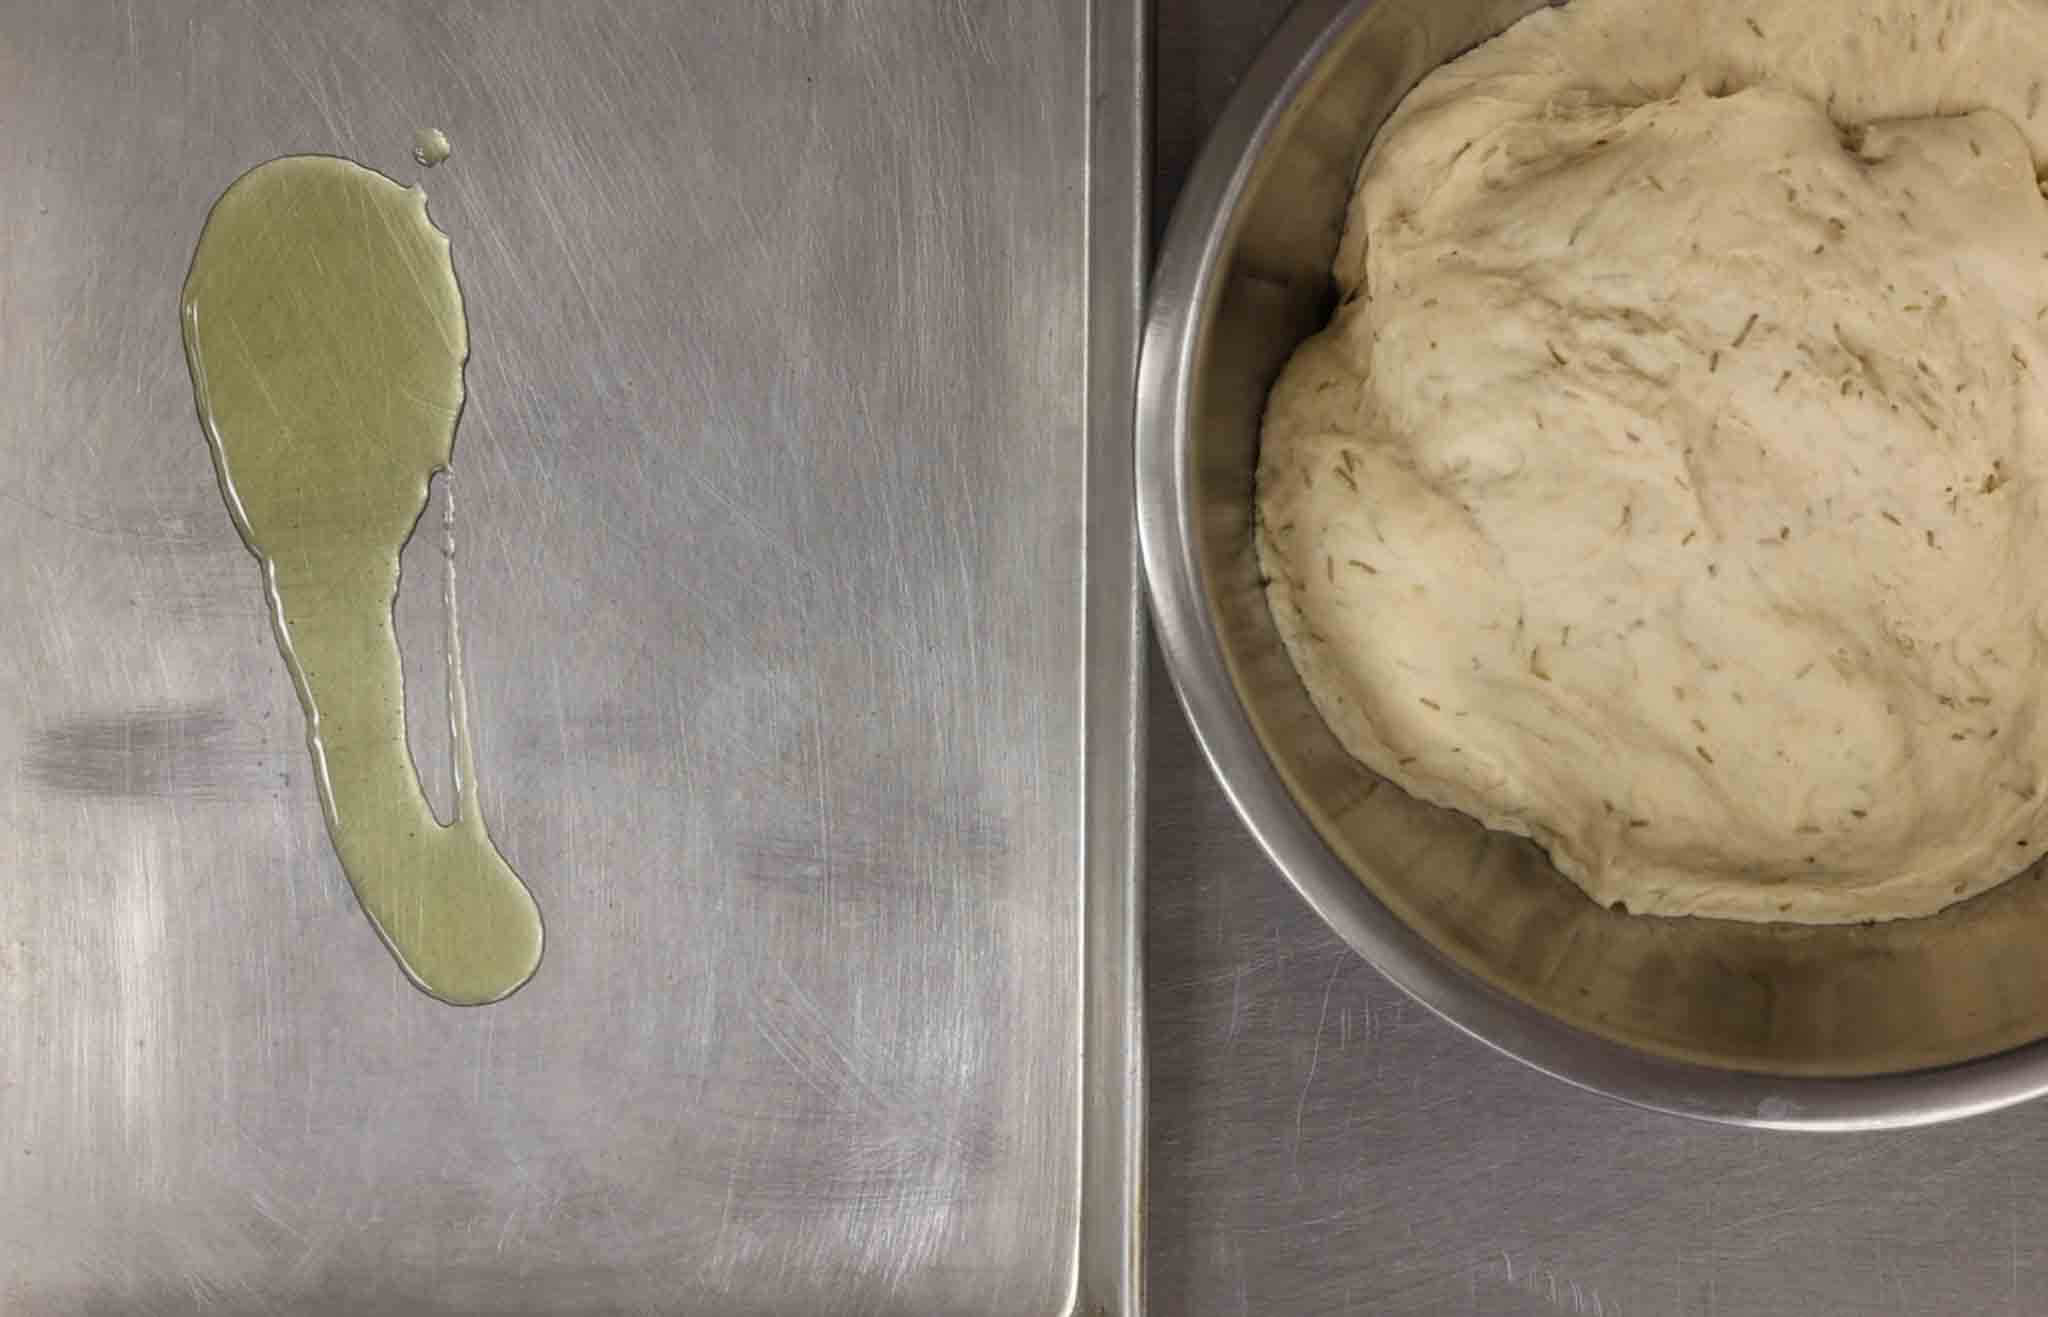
1321, 1145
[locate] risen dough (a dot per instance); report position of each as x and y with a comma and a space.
1668, 485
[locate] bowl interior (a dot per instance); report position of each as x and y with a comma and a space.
1780, 1000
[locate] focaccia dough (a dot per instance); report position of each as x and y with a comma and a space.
1668, 486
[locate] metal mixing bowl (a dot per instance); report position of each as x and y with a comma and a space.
1792, 1027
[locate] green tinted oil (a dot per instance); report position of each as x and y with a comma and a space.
326, 338
430, 147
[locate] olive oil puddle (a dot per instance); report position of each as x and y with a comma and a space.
326, 338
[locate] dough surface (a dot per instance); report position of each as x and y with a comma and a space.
1668, 486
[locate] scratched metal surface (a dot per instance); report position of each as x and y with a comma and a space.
1321, 1145
772, 555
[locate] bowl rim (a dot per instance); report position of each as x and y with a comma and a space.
1186, 284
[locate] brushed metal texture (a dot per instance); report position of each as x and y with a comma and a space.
790, 387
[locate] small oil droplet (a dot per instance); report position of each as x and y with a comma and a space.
430, 146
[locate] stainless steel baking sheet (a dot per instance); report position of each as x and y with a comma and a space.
799, 621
